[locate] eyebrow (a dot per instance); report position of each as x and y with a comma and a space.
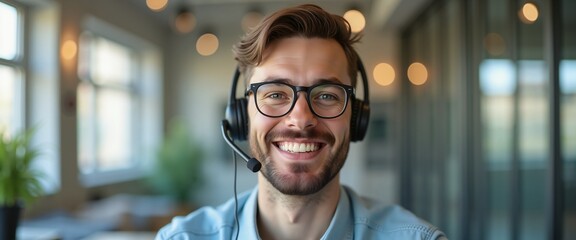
317, 81
329, 80
277, 80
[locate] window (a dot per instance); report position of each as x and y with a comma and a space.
118, 115
11, 68
107, 106
29, 81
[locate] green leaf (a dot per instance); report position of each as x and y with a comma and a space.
178, 167
18, 181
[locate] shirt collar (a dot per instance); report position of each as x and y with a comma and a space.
341, 226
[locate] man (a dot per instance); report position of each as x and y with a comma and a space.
300, 67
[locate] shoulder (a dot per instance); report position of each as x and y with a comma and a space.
373, 220
204, 223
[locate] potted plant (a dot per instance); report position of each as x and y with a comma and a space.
177, 171
19, 183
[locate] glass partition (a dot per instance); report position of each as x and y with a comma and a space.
568, 115
479, 130
534, 116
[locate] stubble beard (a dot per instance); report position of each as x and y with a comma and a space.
299, 180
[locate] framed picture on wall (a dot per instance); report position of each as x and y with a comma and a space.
382, 145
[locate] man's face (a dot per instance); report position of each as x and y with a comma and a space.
300, 152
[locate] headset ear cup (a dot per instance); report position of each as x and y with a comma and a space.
364, 120
236, 117
359, 121
242, 115
230, 116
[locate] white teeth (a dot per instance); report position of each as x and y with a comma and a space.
298, 147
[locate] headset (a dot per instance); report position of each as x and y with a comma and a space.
235, 124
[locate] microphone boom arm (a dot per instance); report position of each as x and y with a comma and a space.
252, 163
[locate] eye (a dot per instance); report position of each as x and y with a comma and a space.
275, 95
327, 97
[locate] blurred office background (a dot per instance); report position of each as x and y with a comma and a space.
473, 102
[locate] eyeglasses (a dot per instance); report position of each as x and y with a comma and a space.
276, 99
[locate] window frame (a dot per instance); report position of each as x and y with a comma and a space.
143, 90
18, 63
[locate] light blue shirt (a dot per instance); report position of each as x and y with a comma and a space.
355, 218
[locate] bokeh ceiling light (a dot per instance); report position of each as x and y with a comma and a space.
356, 20
417, 73
156, 5
207, 44
184, 21
251, 19
494, 44
69, 50
384, 74
529, 13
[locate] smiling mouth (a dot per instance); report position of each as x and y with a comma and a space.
295, 147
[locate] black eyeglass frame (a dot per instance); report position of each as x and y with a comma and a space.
349, 91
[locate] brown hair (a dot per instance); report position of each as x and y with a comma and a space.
306, 20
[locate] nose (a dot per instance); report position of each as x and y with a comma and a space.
301, 116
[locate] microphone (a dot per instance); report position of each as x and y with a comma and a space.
252, 163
